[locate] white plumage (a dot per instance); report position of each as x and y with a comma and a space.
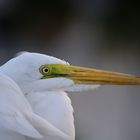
14, 112
33, 102
17, 119
53, 106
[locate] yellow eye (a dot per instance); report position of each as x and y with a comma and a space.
44, 70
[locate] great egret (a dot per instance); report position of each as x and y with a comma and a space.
43, 80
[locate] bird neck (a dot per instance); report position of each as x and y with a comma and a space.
54, 106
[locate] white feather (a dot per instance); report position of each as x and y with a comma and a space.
81, 88
17, 117
54, 106
13, 110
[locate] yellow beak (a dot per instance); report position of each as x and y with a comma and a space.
90, 76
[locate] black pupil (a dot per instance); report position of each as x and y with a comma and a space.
46, 70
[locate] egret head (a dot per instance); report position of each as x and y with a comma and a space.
38, 72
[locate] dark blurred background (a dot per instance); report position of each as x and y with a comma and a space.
94, 33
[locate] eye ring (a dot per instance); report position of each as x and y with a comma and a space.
45, 70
